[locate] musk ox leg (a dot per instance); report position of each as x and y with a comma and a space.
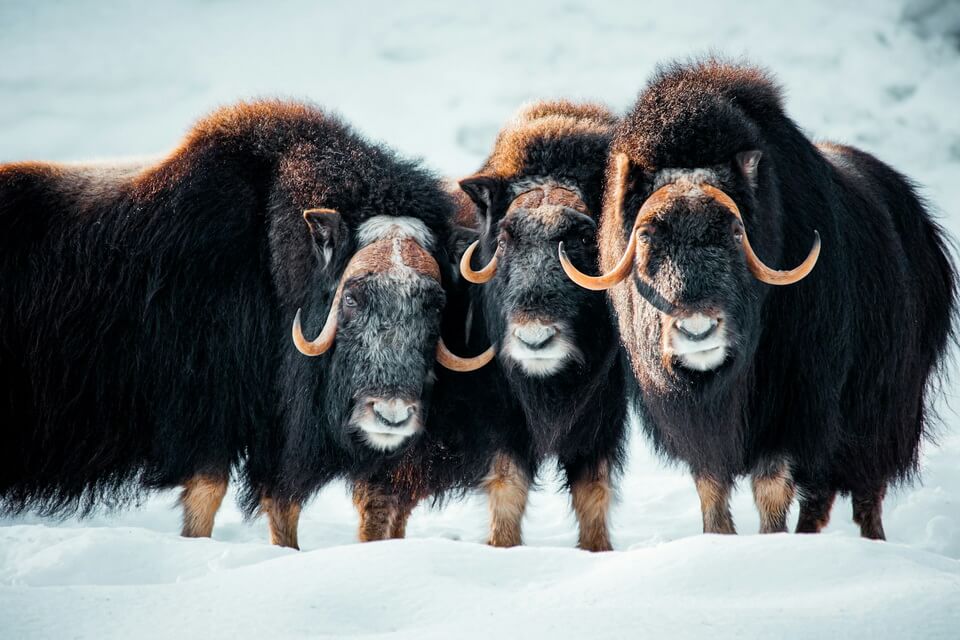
773, 491
815, 505
715, 503
201, 499
379, 511
867, 512
592, 496
399, 528
282, 520
507, 486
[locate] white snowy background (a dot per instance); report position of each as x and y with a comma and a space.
82, 80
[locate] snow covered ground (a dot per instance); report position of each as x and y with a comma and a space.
98, 79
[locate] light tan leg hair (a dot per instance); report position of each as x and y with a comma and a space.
592, 496
507, 486
715, 504
282, 521
773, 492
201, 499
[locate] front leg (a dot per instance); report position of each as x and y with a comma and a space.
399, 528
773, 491
282, 521
715, 503
201, 499
507, 486
379, 510
592, 496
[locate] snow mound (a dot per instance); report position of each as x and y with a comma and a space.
749, 586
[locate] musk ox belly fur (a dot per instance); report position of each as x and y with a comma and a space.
145, 311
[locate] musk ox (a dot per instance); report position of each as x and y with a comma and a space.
558, 389
817, 378
145, 316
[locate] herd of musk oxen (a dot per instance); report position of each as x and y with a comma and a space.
769, 307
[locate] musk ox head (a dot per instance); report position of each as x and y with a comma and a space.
534, 311
676, 245
541, 185
382, 331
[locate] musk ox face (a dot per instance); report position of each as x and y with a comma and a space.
533, 308
388, 329
382, 331
689, 304
689, 261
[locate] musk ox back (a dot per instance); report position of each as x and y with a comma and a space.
819, 381
145, 313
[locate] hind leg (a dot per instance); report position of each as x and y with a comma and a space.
201, 499
507, 486
815, 505
715, 503
592, 495
282, 521
773, 491
867, 512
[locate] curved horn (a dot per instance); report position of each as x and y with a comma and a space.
324, 341
625, 265
607, 280
760, 271
477, 277
455, 363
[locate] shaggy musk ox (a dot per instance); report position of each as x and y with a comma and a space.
820, 381
558, 389
145, 316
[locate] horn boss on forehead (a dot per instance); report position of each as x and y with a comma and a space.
541, 196
625, 265
377, 257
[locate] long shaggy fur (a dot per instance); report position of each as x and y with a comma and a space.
145, 311
576, 414
831, 374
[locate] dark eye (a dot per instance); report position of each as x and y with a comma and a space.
349, 300
645, 233
737, 232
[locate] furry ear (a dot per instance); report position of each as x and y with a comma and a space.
460, 239
747, 163
483, 190
325, 227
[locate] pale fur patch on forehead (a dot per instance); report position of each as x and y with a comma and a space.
390, 227
686, 177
